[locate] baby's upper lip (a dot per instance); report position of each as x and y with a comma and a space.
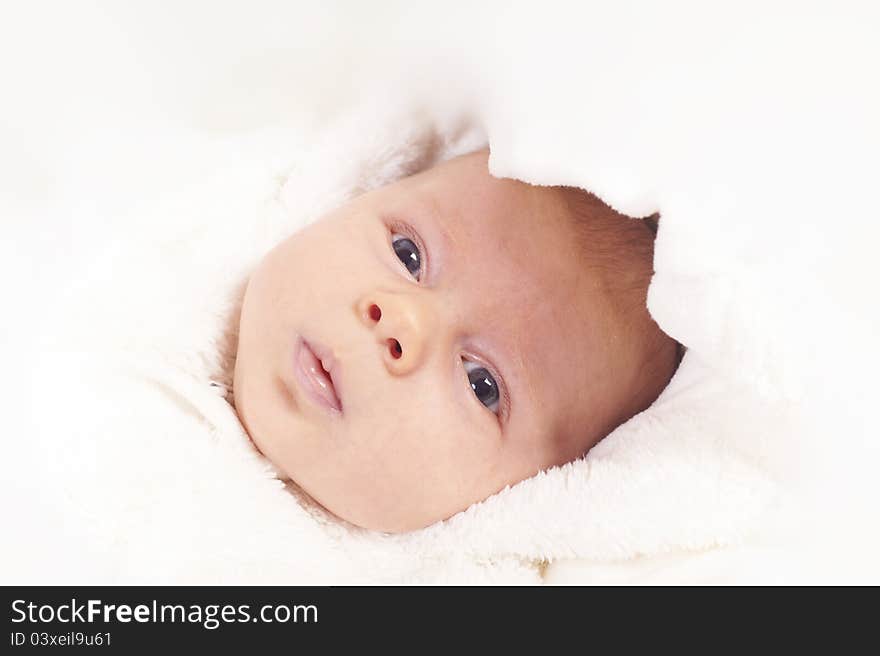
324, 354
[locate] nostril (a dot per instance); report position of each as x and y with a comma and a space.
375, 312
396, 349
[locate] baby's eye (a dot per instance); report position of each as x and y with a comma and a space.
483, 384
408, 253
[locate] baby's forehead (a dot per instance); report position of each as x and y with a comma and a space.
509, 232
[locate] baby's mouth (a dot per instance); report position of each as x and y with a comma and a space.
313, 364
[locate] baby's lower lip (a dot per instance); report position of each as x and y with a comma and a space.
312, 379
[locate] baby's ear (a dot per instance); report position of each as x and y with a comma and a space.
373, 145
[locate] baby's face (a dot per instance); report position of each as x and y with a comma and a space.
467, 348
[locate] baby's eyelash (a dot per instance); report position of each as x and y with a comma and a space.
504, 402
408, 231
505, 397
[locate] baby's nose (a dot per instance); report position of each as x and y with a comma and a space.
394, 347
399, 327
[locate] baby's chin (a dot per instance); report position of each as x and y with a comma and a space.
369, 517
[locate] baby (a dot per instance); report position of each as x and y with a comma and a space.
434, 340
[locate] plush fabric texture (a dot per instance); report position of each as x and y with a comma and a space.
753, 465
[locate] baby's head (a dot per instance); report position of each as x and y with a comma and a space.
476, 331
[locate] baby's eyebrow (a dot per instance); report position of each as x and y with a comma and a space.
425, 215
429, 208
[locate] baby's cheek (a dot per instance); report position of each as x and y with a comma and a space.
413, 445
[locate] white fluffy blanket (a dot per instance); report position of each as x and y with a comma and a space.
754, 464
